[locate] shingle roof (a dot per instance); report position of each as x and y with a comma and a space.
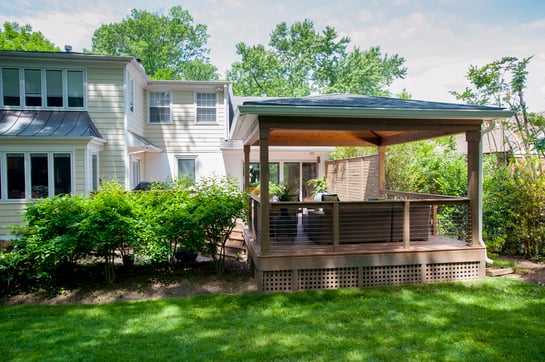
361, 101
47, 124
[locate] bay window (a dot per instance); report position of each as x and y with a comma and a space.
35, 174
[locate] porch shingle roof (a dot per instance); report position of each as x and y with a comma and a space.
19, 123
362, 101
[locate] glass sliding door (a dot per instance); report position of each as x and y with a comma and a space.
309, 172
292, 178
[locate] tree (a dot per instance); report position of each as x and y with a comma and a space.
300, 61
17, 37
169, 46
502, 83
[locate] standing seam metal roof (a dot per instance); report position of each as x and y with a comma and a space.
39, 123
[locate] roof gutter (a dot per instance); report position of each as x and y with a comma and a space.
355, 112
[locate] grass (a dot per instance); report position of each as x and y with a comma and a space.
488, 320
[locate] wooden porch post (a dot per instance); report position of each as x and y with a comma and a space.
264, 186
474, 185
247, 184
381, 168
407, 224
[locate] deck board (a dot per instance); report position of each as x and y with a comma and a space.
294, 247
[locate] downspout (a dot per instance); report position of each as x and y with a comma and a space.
490, 126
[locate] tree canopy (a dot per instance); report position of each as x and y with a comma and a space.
301, 60
21, 37
170, 46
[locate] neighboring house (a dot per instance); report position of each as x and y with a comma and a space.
500, 139
71, 120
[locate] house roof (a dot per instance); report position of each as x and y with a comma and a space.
355, 120
360, 105
37, 123
137, 143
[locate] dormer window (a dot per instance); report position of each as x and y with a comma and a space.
42, 88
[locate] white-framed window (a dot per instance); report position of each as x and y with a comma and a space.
95, 181
35, 175
42, 88
187, 167
135, 172
159, 107
130, 92
206, 107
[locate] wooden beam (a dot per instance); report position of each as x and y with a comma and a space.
474, 162
407, 225
412, 136
264, 190
247, 182
370, 124
381, 167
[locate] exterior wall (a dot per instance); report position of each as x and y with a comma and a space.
105, 101
11, 210
10, 214
184, 137
136, 118
233, 158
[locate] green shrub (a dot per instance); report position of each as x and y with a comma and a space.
50, 239
110, 224
219, 203
514, 208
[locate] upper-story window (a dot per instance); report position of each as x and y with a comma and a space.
206, 107
159, 107
42, 88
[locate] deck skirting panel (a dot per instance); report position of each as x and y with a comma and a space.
368, 276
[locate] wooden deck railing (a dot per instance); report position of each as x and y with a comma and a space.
400, 217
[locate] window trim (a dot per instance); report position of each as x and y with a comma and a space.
215, 107
43, 88
169, 106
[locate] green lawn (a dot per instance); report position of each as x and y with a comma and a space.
489, 320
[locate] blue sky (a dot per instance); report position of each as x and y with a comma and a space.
439, 39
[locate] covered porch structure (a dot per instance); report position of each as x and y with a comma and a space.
392, 239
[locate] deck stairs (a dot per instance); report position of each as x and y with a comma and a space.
235, 248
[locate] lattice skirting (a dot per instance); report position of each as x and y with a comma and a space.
367, 276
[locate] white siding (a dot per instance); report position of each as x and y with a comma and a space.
106, 108
183, 134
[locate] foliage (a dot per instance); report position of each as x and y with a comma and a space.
513, 204
319, 185
494, 319
21, 37
170, 46
349, 152
301, 61
110, 224
50, 240
169, 215
514, 208
218, 204
432, 167
502, 83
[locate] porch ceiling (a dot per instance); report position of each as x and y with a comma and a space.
354, 120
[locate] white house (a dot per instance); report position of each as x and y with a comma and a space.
69, 120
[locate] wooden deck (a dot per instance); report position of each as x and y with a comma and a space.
304, 265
